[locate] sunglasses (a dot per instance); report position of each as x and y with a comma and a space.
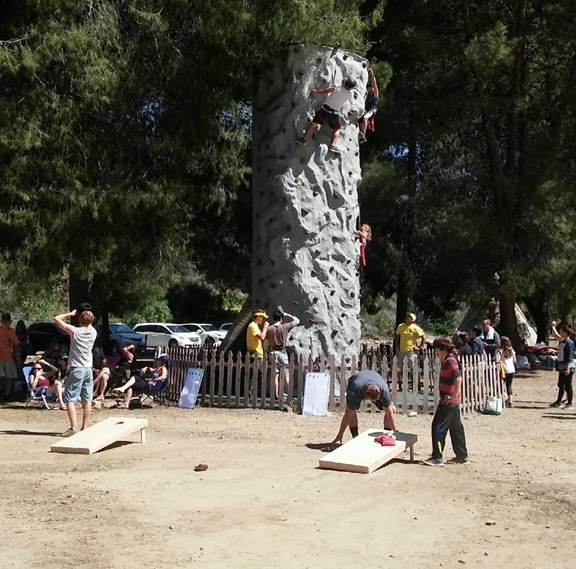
37, 368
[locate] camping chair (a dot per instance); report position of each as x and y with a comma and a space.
153, 393
38, 393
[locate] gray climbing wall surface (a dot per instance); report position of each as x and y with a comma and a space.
305, 201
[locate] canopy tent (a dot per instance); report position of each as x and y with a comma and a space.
476, 314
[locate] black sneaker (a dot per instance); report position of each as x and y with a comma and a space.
457, 460
555, 404
301, 140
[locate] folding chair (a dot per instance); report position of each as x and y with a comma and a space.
153, 393
38, 393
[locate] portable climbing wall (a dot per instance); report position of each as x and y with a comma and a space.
305, 200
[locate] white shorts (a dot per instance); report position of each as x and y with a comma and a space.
369, 114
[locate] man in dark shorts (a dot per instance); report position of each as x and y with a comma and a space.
330, 110
277, 336
366, 384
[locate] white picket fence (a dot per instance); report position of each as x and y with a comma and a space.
236, 381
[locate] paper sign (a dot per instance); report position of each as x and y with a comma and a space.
191, 388
316, 387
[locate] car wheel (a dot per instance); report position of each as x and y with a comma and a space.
114, 347
173, 343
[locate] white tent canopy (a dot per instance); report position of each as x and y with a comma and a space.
475, 315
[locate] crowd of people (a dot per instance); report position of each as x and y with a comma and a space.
81, 373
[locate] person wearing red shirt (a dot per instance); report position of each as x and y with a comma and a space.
8, 344
447, 416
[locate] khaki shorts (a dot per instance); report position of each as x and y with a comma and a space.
412, 357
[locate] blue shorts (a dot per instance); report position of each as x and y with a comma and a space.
79, 384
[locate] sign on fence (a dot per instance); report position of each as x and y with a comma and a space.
191, 388
316, 388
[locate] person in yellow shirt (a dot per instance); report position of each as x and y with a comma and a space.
406, 341
256, 332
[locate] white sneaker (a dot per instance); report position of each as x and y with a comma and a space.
568, 407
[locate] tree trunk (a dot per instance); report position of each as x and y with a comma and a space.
508, 321
305, 201
540, 311
401, 297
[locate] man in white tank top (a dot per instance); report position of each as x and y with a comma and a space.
80, 381
330, 110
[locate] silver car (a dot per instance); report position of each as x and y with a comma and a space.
207, 332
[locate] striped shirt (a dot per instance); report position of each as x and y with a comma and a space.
449, 371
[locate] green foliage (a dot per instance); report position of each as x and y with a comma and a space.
153, 311
492, 50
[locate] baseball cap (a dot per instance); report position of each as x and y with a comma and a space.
84, 306
261, 313
164, 359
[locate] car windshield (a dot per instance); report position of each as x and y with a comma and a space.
121, 329
177, 329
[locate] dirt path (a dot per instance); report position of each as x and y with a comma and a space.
263, 502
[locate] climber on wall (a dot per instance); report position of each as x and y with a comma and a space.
370, 107
330, 110
365, 236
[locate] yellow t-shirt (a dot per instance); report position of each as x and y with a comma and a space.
408, 336
253, 341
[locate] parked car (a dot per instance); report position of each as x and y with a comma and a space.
41, 334
226, 326
207, 332
167, 335
122, 335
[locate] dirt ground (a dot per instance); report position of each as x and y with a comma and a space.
264, 503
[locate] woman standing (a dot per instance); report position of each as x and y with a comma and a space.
565, 364
508, 362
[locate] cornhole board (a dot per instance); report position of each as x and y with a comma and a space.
101, 435
363, 454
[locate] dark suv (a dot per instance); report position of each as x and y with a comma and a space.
42, 333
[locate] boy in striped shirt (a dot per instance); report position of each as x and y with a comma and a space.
447, 417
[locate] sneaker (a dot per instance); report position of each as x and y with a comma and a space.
301, 140
433, 461
568, 407
457, 460
335, 149
361, 138
555, 404
69, 432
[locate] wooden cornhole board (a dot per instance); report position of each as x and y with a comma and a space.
101, 435
363, 454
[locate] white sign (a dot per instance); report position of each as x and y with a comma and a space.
191, 388
316, 387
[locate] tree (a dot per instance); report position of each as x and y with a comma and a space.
476, 98
124, 136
